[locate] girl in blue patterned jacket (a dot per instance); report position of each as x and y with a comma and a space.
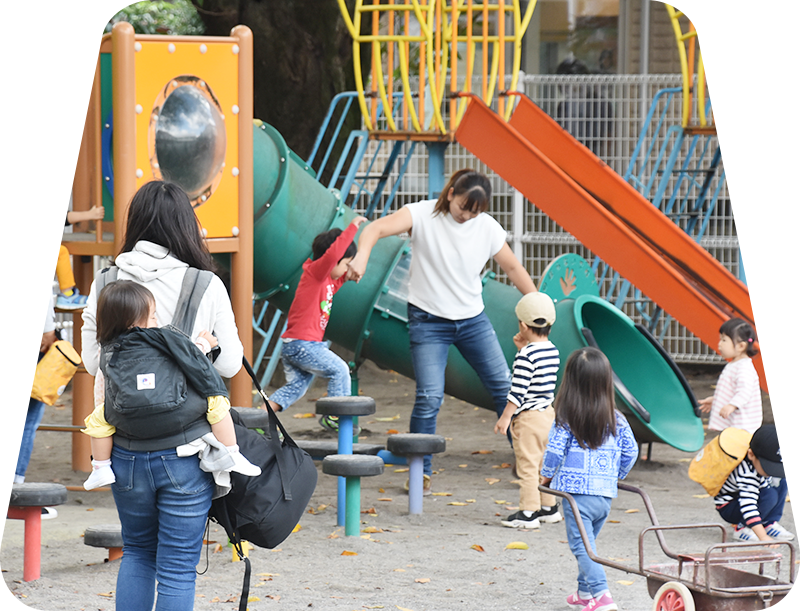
590, 447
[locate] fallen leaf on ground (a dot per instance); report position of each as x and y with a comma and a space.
389, 419
106, 594
296, 528
441, 494
499, 502
457, 503
423, 580
392, 432
613, 521
477, 548
505, 465
405, 470
701, 496
399, 570
625, 582
348, 553
387, 499
463, 466
482, 452
268, 574
305, 415
517, 545
491, 480
371, 511
372, 529
631, 511
254, 599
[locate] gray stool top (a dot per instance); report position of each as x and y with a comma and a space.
37, 494
103, 535
321, 449
253, 417
352, 465
346, 406
407, 444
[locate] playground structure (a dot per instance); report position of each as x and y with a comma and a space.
247, 174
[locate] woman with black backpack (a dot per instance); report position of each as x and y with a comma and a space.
28, 321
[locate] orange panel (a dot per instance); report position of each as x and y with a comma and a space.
215, 61
780, 126
531, 172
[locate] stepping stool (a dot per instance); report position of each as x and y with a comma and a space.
105, 535
415, 446
345, 409
27, 500
351, 468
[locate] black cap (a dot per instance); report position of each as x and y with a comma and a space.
768, 451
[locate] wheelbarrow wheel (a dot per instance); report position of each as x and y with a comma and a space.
673, 596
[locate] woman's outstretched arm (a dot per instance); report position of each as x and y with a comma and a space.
394, 224
515, 271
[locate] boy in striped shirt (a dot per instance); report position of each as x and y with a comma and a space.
753, 496
529, 411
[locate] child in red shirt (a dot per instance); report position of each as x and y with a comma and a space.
304, 353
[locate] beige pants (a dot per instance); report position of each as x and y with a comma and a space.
529, 431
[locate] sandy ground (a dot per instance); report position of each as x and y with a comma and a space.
453, 556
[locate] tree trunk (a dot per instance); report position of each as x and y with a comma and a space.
303, 57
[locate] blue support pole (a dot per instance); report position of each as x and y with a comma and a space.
747, 212
345, 446
436, 177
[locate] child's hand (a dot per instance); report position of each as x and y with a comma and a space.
502, 424
209, 338
727, 410
358, 221
205, 342
519, 341
705, 404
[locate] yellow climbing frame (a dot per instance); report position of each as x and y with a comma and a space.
436, 30
713, 36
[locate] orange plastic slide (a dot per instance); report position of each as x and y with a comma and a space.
597, 206
780, 125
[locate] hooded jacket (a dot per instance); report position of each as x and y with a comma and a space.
152, 266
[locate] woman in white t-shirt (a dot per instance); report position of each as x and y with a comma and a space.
452, 239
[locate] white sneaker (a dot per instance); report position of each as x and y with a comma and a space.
102, 476
745, 534
241, 464
776, 531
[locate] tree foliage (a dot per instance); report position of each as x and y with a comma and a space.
176, 17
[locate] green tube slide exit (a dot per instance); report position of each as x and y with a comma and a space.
291, 207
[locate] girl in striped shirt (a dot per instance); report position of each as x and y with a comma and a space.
737, 397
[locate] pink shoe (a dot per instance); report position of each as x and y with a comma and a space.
604, 603
577, 600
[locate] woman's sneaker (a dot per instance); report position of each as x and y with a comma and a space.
577, 600
604, 603
520, 520
743, 533
776, 531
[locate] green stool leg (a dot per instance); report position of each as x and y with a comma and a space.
352, 519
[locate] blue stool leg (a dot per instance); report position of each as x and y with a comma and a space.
345, 447
415, 484
352, 525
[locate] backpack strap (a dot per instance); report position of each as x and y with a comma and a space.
195, 283
21, 302
107, 275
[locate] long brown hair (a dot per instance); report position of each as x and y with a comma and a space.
122, 304
476, 187
585, 400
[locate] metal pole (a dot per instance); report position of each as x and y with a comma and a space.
747, 212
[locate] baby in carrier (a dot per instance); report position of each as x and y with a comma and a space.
149, 373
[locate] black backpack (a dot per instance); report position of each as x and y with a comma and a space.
265, 509
9, 317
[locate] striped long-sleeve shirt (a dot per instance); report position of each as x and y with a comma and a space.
744, 486
533, 383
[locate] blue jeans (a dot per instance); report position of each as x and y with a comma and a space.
593, 513
302, 360
163, 502
18, 410
770, 506
431, 338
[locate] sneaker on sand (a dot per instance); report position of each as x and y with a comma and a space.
549, 516
519, 520
578, 600
776, 531
76, 301
426, 485
604, 603
743, 533
332, 424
